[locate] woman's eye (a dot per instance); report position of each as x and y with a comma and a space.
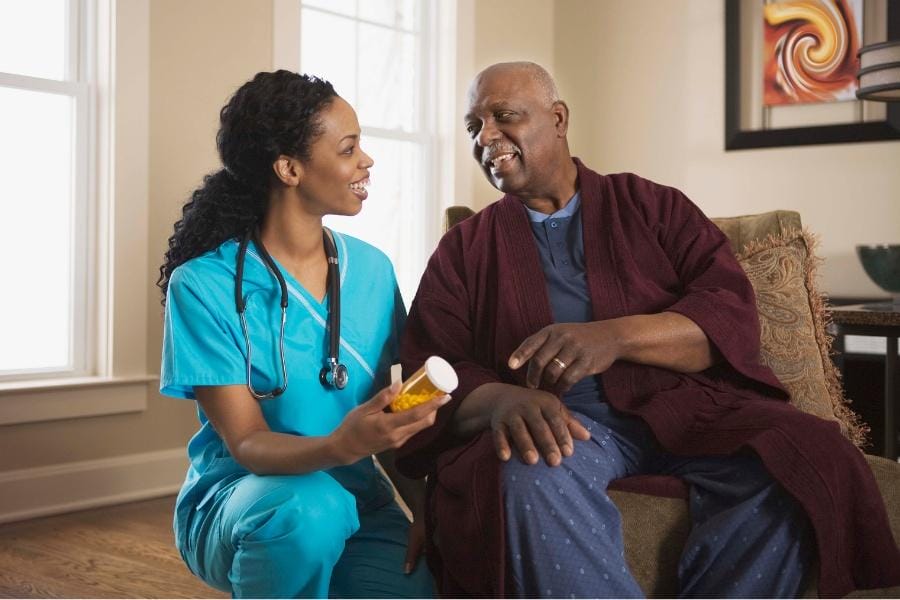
350, 150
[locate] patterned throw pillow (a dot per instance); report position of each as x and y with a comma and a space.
793, 318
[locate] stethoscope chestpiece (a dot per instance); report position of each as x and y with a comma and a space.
334, 375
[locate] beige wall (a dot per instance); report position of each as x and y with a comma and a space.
200, 52
498, 31
645, 83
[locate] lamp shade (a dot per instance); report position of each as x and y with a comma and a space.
879, 72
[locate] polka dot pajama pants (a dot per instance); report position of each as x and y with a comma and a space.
748, 539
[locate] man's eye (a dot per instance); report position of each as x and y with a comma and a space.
471, 129
504, 114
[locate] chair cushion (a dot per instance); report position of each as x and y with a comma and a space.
793, 317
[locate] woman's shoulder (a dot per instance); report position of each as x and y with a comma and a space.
354, 250
212, 266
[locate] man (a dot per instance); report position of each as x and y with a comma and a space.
602, 328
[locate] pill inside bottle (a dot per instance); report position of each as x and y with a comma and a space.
434, 378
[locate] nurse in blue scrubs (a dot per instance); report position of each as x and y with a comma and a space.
282, 497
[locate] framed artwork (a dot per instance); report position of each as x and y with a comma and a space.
790, 72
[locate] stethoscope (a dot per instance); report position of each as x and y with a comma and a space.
334, 374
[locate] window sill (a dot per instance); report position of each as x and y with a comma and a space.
54, 399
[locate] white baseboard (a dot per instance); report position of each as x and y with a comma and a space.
42, 491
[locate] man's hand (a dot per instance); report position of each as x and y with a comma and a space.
560, 355
537, 424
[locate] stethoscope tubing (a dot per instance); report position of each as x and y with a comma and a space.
333, 374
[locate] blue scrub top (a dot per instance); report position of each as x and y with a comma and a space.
203, 344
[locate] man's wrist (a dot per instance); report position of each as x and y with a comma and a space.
620, 334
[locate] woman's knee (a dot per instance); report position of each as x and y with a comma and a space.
311, 515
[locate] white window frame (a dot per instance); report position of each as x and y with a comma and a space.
437, 53
110, 312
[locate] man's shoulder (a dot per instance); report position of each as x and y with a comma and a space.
637, 184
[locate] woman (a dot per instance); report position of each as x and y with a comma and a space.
282, 498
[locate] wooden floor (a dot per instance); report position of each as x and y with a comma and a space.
125, 551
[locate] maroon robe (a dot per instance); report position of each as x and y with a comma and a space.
647, 249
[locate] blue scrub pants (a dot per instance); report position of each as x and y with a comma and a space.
301, 536
749, 538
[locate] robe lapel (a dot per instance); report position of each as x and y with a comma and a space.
531, 305
597, 214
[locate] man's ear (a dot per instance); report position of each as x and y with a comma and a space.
288, 170
561, 117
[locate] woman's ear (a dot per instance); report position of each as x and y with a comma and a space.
288, 170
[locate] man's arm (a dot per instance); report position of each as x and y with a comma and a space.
560, 355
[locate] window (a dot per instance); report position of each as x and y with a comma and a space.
384, 58
45, 120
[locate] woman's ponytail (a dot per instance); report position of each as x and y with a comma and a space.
271, 115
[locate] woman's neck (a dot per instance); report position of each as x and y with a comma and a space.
290, 234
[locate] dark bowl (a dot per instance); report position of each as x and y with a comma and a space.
882, 265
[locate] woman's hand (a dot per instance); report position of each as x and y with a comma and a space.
537, 424
560, 355
368, 429
415, 543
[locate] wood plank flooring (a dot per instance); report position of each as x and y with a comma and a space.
124, 551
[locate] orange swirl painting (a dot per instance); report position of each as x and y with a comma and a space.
810, 50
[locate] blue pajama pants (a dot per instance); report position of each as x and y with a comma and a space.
301, 536
749, 538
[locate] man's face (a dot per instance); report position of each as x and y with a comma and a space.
514, 130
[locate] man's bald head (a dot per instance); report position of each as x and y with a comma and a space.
527, 72
518, 128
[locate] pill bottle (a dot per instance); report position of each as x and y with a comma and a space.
434, 378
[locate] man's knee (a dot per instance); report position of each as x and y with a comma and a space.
577, 473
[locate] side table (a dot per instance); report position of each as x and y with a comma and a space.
880, 319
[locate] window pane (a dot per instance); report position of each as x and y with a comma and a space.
392, 215
33, 38
36, 198
395, 13
389, 84
328, 49
345, 7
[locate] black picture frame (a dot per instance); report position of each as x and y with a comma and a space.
740, 139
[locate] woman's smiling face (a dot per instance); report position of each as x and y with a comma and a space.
335, 177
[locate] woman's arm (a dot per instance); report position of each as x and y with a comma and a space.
366, 430
238, 419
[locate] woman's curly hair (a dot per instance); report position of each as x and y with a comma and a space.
273, 114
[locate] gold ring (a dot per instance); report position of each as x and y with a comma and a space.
561, 364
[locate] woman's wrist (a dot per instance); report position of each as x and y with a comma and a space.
338, 451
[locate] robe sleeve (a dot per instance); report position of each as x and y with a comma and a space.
439, 323
716, 293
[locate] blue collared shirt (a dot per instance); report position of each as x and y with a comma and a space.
561, 246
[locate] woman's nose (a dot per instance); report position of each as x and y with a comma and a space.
366, 161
